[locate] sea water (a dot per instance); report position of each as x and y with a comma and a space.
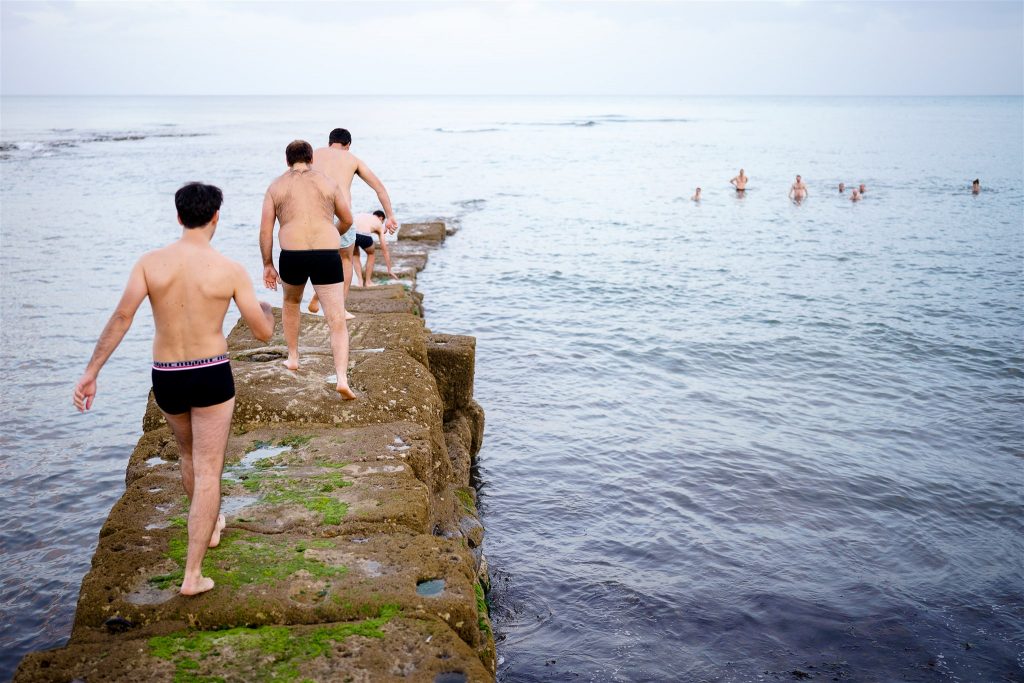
733, 440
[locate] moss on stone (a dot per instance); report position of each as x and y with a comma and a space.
196, 651
245, 559
295, 440
283, 490
465, 497
481, 609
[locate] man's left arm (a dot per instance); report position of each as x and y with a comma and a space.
368, 176
134, 292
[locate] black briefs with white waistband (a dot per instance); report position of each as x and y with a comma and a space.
182, 385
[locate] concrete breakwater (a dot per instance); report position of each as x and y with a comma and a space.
353, 547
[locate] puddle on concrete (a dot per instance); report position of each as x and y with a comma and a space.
268, 451
361, 470
431, 588
148, 594
450, 677
370, 567
229, 505
154, 461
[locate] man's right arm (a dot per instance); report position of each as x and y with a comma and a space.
257, 314
113, 332
267, 218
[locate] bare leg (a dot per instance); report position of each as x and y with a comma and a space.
210, 428
333, 299
371, 256
346, 269
357, 268
290, 322
181, 427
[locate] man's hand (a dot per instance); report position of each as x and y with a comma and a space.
270, 278
85, 392
391, 225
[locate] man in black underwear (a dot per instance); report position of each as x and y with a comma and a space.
305, 201
189, 285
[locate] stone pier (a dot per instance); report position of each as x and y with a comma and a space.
353, 547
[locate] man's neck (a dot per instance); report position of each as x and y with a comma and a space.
299, 166
338, 145
200, 236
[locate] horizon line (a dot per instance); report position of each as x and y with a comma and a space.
3, 95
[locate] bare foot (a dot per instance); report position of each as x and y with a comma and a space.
314, 305
217, 528
348, 316
196, 586
345, 392
292, 365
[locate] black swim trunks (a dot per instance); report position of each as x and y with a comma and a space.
182, 385
319, 266
364, 242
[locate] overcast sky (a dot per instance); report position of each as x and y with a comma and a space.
493, 48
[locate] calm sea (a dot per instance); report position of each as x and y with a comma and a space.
736, 441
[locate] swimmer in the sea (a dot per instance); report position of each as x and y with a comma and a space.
740, 182
855, 196
190, 286
305, 202
863, 190
976, 186
798, 190
842, 188
696, 196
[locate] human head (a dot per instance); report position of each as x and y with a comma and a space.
298, 152
197, 204
741, 171
798, 177
842, 187
380, 214
976, 182
856, 194
862, 188
339, 136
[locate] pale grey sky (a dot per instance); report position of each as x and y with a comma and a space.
491, 48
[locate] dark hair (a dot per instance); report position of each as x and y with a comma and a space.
976, 182
196, 203
380, 214
339, 135
298, 152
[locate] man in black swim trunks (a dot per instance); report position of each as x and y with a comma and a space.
189, 285
305, 201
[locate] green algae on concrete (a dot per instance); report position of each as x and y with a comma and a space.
243, 559
285, 490
277, 646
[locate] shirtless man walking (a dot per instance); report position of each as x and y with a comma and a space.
740, 182
341, 165
189, 285
798, 190
305, 201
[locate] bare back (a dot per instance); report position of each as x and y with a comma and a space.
340, 165
190, 288
304, 203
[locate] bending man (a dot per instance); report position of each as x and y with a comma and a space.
189, 285
305, 202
